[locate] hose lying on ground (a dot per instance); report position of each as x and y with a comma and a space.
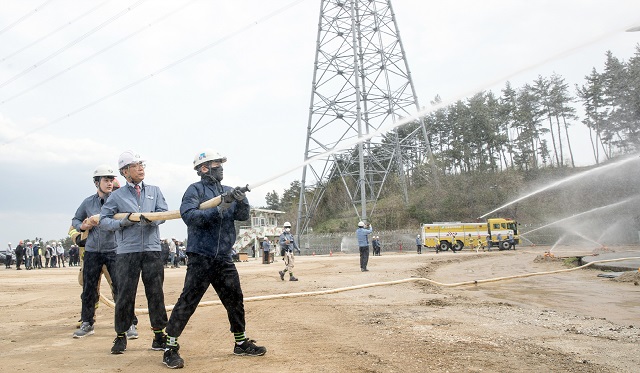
144, 311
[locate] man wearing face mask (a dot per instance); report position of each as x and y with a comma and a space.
211, 235
288, 245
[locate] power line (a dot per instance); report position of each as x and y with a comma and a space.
53, 32
153, 74
74, 42
153, 23
7, 28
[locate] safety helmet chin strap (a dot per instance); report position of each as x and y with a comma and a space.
98, 185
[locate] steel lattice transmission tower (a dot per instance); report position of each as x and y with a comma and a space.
361, 82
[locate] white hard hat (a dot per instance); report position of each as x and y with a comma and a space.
287, 224
361, 224
104, 170
9, 243
127, 158
206, 156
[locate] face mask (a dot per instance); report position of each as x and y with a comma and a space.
287, 230
217, 173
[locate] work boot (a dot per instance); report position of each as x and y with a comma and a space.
171, 357
119, 344
292, 278
248, 348
132, 333
281, 275
85, 329
159, 342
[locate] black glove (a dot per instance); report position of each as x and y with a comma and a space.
127, 221
238, 194
144, 220
81, 243
226, 201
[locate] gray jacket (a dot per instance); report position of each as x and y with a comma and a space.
362, 234
99, 239
287, 236
138, 237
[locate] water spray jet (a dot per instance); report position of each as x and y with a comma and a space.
566, 180
580, 214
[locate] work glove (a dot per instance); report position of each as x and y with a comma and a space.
126, 222
238, 194
144, 220
226, 200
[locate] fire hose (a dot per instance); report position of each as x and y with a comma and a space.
168, 215
144, 311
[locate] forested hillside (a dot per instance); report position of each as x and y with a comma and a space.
494, 148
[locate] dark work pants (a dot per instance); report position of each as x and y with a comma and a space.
128, 269
37, 261
203, 271
364, 256
19, 260
91, 273
7, 260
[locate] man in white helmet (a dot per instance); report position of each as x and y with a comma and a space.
174, 258
138, 250
288, 246
375, 243
60, 253
266, 250
211, 235
99, 247
28, 253
8, 257
362, 234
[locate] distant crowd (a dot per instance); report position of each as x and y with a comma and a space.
35, 255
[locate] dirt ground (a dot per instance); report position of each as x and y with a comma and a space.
565, 322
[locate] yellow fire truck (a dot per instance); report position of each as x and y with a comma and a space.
502, 233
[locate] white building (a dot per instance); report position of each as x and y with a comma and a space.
264, 223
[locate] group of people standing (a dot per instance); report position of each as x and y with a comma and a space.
125, 240
31, 253
174, 252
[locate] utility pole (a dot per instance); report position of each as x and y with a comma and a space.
361, 82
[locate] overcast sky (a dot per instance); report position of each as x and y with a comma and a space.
236, 76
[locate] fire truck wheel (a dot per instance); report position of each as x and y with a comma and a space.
444, 246
458, 246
